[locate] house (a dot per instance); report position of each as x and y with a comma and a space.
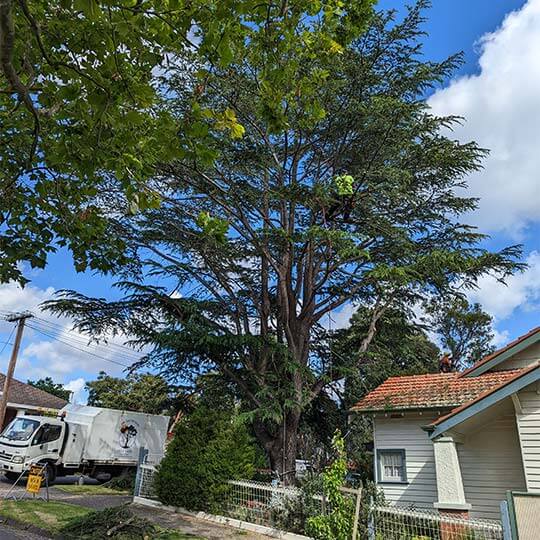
26, 399
458, 441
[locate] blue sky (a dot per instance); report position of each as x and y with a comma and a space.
497, 91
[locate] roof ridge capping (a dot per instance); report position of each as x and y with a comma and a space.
498, 356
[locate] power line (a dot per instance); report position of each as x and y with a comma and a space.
6, 343
41, 331
78, 339
58, 327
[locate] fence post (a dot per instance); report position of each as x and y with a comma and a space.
143, 452
371, 520
505, 519
357, 512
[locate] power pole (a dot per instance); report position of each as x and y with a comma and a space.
20, 319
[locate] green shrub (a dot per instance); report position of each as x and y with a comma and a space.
337, 523
124, 482
209, 447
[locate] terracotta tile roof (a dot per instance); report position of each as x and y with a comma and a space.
517, 373
434, 390
500, 351
25, 394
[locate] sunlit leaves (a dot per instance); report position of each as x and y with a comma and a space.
227, 121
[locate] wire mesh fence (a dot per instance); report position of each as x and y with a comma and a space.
144, 486
394, 523
274, 506
286, 508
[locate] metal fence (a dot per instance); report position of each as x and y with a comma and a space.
286, 508
395, 523
274, 506
144, 484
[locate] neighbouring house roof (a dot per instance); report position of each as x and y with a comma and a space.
26, 394
431, 391
488, 362
520, 379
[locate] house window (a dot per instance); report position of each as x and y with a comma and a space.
391, 466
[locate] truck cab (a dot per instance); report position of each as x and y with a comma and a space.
31, 439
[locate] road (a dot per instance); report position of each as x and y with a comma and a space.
9, 533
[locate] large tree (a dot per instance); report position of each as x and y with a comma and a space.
400, 346
81, 106
48, 385
141, 392
465, 330
343, 188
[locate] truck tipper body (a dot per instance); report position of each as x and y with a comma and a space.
95, 441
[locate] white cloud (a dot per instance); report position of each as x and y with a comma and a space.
337, 320
61, 351
15, 298
502, 113
522, 291
77, 387
500, 338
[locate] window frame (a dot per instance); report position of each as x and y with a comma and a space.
379, 454
38, 437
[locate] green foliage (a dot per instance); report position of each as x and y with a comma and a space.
337, 523
399, 347
83, 116
48, 385
344, 184
212, 227
209, 447
137, 392
296, 252
466, 330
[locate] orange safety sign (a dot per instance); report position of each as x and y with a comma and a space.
33, 484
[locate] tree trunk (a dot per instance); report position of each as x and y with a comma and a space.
281, 447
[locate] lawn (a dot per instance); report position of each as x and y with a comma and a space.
91, 490
51, 516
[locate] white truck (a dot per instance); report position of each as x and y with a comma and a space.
97, 442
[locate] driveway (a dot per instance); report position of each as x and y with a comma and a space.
192, 525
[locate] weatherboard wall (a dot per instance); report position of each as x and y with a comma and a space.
405, 433
528, 420
490, 461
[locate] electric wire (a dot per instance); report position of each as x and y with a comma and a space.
124, 353
76, 335
6, 343
67, 343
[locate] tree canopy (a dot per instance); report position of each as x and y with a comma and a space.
465, 330
82, 114
399, 347
343, 188
48, 385
142, 392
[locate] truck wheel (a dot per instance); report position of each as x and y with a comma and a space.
50, 471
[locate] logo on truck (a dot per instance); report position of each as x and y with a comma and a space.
128, 433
